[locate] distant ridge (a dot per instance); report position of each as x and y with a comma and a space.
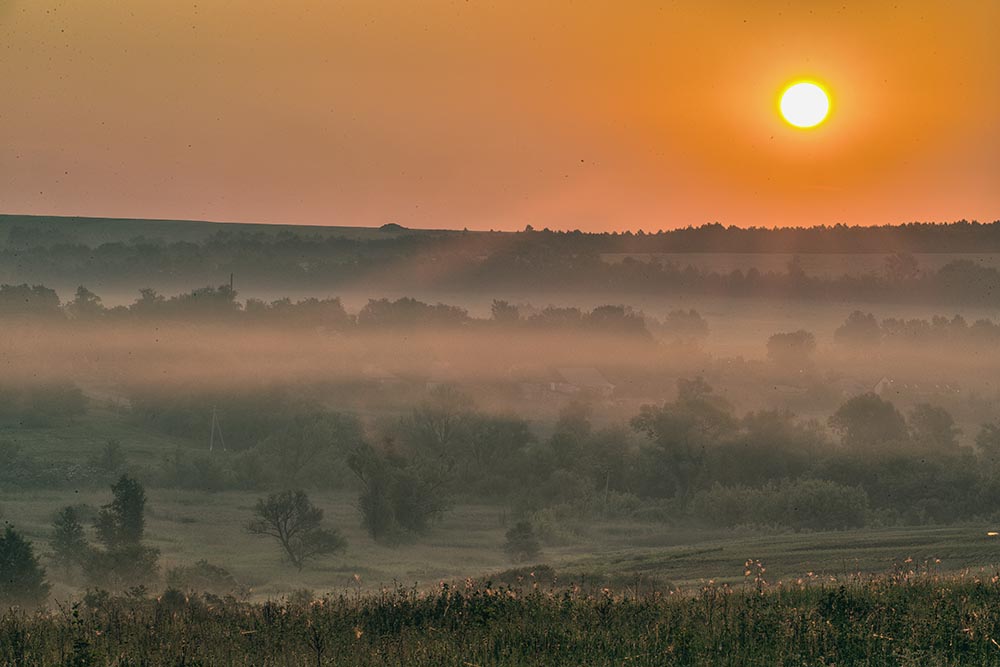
915, 237
95, 230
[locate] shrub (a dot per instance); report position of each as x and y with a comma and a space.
804, 504
522, 544
202, 577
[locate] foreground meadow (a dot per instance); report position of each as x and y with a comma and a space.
904, 618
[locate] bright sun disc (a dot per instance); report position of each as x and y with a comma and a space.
804, 104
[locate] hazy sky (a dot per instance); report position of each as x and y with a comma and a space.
433, 113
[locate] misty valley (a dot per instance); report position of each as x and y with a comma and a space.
384, 333
372, 463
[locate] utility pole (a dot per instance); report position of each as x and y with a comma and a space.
216, 427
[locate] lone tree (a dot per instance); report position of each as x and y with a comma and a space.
69, 542
22, 578
399, 495
933, 427
522, 544
867, 421
124, 561
291, 519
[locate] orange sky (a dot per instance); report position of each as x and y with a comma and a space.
433, 113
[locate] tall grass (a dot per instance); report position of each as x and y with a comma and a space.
904, 618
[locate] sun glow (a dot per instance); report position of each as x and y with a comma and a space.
804, 104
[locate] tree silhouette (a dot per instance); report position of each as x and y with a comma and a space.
22, 578
69, 542
123, 561
522, 544
867, 421
291, 519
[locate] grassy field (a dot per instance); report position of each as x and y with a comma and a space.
188, 526
905, 620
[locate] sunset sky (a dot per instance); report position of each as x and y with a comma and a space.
432, 113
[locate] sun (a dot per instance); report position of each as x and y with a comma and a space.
804, 104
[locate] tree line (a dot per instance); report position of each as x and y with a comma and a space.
220, 304
569, 261
901, 468
688, 461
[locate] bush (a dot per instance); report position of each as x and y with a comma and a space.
200, 472
522, 544
203, 577
805, 504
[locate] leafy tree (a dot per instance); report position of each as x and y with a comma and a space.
685, 325
522, 543
148, 303
933, 427
122, 522
397, 494
771, 445
504, 312
679, 434
29, 301
867, 421
310, 449
375, 504
69, 542
573, 429
85, 305
124, 561
496, 446
22, 578
859, 329
439, 427
617, 320
291, 519
407, 312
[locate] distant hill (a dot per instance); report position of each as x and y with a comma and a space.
51, 230
917, 237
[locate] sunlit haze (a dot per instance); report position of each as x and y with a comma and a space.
444, 114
